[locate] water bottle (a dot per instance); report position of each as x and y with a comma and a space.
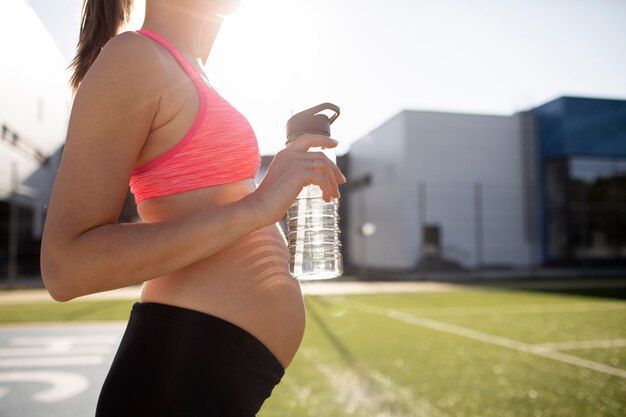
313, 224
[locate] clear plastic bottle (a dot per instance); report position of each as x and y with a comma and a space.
313, 224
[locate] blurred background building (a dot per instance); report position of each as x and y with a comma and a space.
582, 146
35, 104
443, 191
427, 191
34, 110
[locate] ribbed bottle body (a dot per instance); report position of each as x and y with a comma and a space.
313, 236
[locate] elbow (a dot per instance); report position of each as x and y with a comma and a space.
60, 295
56, 280
57, 288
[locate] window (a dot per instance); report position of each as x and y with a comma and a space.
588, 217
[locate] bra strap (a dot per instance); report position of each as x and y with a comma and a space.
189, 69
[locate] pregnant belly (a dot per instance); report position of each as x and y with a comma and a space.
247, 284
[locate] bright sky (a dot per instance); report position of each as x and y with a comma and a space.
377, 58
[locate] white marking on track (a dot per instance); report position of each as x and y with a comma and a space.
43, 351
25, 353
63, 384
74, 340
485, 337
50, 361
60, 345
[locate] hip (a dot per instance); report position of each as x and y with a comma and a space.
179, 362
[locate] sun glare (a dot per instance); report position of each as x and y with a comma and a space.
136, 18
263, 61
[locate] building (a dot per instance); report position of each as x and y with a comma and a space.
426, 190
582, 145
442, 191
34, 110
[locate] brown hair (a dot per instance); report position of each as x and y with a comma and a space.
100, 21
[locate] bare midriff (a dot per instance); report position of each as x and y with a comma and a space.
247, 283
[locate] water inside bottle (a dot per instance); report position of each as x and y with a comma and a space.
313, 236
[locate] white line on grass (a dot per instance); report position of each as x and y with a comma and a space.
583, 344
521, 309
364, 391
485, 337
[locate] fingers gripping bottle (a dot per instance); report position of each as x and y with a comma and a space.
313, 224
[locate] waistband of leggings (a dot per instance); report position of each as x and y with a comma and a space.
212, 325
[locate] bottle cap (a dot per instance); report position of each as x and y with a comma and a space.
311, 121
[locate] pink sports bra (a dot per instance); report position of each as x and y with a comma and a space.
219, 148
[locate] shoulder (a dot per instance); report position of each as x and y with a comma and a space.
128, 60
131, 46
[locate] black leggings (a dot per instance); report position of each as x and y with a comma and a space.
178, 362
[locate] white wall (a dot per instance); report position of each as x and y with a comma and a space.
34, 102
454, 159
453, 154
381, 155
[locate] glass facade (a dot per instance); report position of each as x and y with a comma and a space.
556, 185
586, 209
582, 156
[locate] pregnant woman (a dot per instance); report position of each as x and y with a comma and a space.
220, 318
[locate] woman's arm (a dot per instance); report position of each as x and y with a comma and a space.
84, 250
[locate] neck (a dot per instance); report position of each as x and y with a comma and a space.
186, 24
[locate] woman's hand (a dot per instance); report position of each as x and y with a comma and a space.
292, 169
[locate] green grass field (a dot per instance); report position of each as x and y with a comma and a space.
471, 352
461, 354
